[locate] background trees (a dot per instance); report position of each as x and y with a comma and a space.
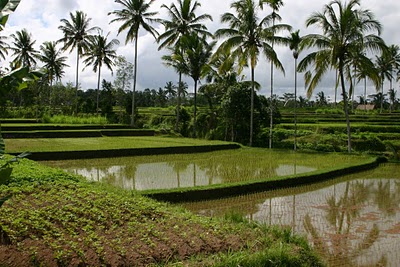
346, 28
100, 52
76, 36
183, 21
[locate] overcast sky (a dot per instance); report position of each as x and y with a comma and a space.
42, 18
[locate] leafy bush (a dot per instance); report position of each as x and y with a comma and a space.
368, 142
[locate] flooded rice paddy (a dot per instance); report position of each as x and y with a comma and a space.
190, 170
351, 221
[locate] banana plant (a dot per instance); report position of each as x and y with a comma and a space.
19, 79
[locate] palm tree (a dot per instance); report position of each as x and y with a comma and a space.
183, 21
346, 28
275, 5
294, 44
100, 52
170, 90
392, 98
53, 61
76, 36
23, 50
3, 47
195, 59
385, 69
247, 37
133, 15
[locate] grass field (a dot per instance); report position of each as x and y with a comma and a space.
101, 143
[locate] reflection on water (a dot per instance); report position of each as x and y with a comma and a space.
187, 170
168, 175
354, 221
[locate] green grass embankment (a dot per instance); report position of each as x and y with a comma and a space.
102, 147
58, 219
246, 187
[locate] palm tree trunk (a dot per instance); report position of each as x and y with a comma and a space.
97, 94
178, 106
346, 107
382, 96
365, 94
134, 81
295, 104
252, 107
195, 107
271, 117
336, 83
77, 81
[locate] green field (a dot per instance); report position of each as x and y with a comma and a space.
102, 143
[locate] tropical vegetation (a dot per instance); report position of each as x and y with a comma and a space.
221, 65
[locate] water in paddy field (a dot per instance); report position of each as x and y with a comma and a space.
350, 221
146, 173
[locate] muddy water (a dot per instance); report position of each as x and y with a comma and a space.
351, 221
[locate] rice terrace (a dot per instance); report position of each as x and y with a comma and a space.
243, 133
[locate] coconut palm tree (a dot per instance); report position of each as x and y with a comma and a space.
23, 50
170, 89
76, 36
294, 41
3, 47
385, 69
247, 37
275, 5
346, 27
367, 71
194, 59
134, 15
53, 61
100, 52
182, 21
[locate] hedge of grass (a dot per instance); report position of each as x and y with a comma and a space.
227, 190
104, 143
25, 127
113, 153
76, 133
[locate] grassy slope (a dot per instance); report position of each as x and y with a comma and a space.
54, 218
101, 143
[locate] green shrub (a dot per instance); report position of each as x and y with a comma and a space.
368, 143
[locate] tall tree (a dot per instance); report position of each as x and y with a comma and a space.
3, 47
346, 27
23, 50
100, 52
275, 5
195, 59
294, 41
54, 62
385, 69
182, 22
247, 37
170, 90
76, 36
133, 15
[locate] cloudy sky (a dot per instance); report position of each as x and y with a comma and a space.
42, 18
